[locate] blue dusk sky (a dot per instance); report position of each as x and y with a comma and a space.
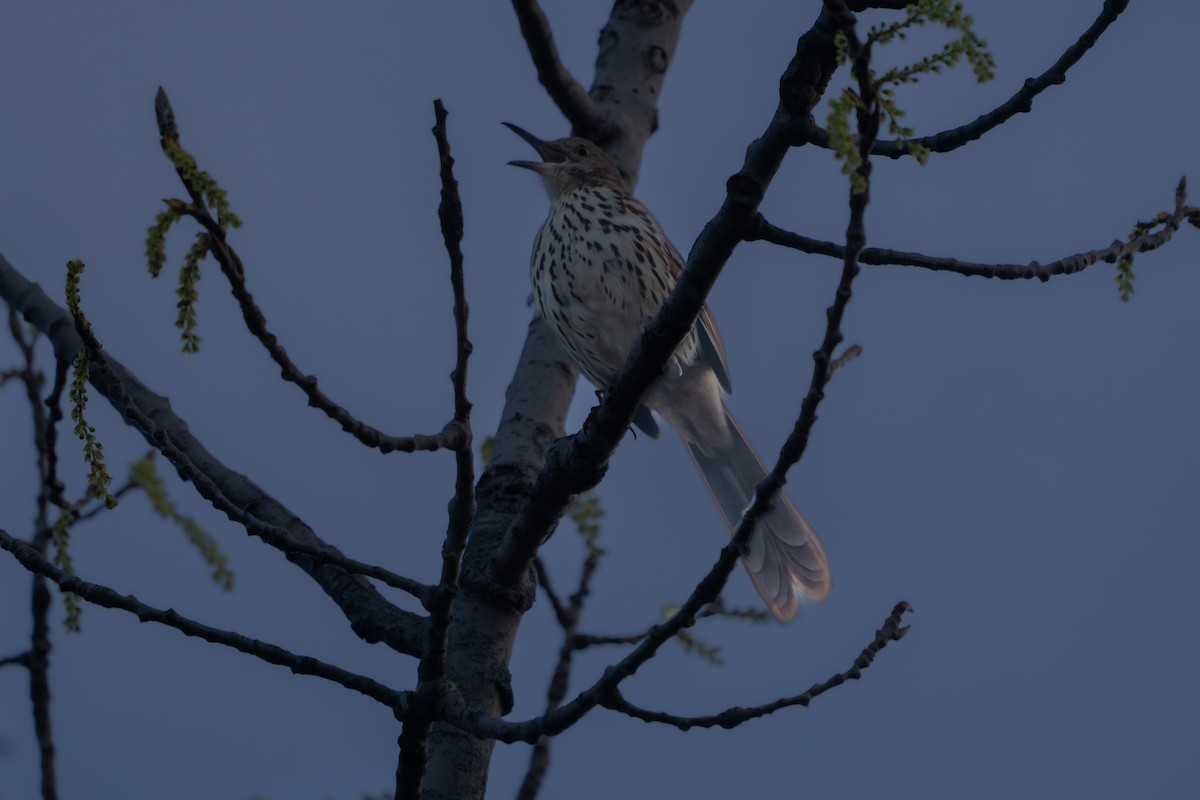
1017, 460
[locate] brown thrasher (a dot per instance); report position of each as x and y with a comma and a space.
601, 269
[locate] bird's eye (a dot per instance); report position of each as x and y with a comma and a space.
581, 151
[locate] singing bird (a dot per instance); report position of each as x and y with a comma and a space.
602, 266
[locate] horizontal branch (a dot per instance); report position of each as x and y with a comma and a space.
891, 631
99, 595
1020, 102
20, 659
762, 230
371, 615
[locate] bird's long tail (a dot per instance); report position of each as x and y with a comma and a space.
786, 559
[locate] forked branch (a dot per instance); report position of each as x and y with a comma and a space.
891, 631
452, 435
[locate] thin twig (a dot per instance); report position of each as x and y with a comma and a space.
19, 660
431, 671
761, 230
1020, 102
556, 603
274, 535
891, 631
372, 617
450, 437
108, 598
539, 757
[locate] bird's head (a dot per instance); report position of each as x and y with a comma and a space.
569, 163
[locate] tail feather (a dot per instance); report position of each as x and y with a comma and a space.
785, 558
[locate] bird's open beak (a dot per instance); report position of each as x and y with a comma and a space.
549, 153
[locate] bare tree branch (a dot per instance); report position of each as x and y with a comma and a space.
50, 492
451, 436
568, 94
568, 618
275, 535
371, 616
19, 660
556, 603
891, 631
1077, 262
108, 598
1020, 102
431, 671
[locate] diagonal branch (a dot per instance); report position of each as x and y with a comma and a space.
33, 561
371, 616
567, 93
1078, 262
891, 631
274, 535
452, 436
1019, 103
19, 660
568, 617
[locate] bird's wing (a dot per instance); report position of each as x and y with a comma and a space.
712, 348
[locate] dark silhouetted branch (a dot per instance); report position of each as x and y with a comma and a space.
1019, 103
371, 615
19, 660
891, 631
108, 598
46, 415
451, 436
274, 535
568, 617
